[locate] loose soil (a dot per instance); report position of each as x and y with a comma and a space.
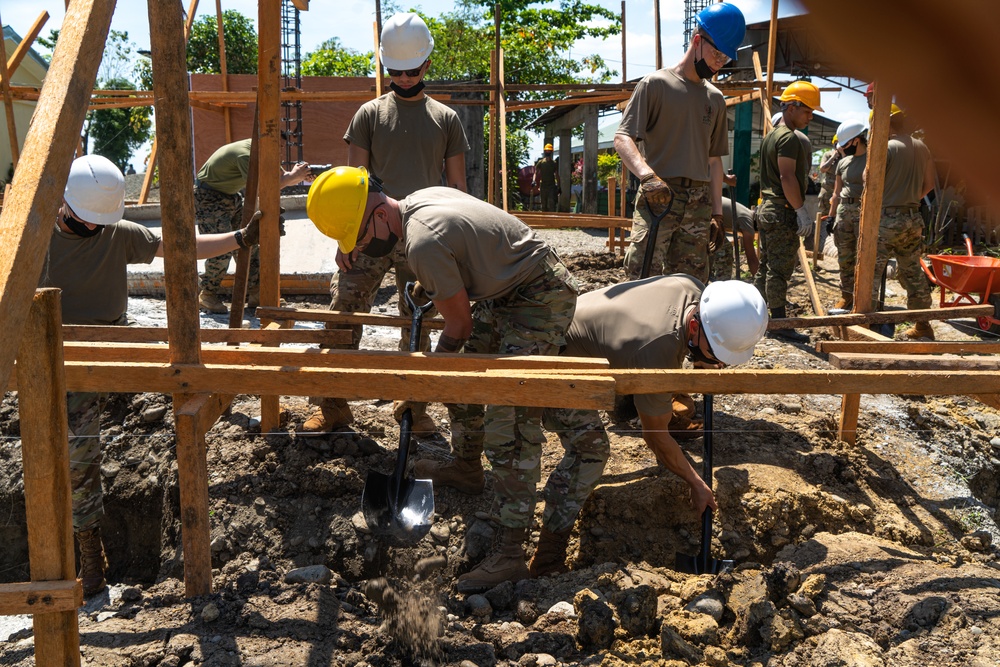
881, 553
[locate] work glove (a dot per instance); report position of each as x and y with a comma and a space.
657, 194
716, 233
805, 224
830, 222
418, 293
249, 236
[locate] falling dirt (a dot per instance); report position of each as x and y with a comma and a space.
881, 553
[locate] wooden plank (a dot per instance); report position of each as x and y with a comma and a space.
881, 317
270, 408
908, 347
8, 102
992, 400
261, 336
817, 303
501, 108
47, 600
864, 333
906, 362
772, 43
223, 71
29, 212
207, 408
47, 499
871, 201
29, 38
847, 426
269, 118
192, 474
241, 276
344, 317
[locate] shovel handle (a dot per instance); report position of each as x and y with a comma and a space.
416, 323
706, 517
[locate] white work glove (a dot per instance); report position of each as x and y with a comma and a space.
805, 224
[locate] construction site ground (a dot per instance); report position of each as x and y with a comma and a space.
879, 554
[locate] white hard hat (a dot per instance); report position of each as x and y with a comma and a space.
734, 317
775, 118
406, 42
848, 131
95, 190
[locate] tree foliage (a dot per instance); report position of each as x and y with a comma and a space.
241, 44
331, 58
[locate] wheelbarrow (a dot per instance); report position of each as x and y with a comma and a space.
967, 276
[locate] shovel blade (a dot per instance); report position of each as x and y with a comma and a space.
697, 565
404, 519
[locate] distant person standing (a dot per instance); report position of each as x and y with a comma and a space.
546, 178
828, 169
672, 136
218, 203
845, 206
721, 260
408, 140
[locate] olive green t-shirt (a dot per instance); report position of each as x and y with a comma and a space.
677, 124
453, 240
546, 170
92, 273
782, 142
227, 168
637, 324
407, 141
851, 170
905, 167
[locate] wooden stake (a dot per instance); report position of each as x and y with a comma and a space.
48, 506
192, 473
269, 114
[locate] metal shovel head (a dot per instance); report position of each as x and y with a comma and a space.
698, 565
401, 520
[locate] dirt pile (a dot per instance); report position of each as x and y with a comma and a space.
877, 554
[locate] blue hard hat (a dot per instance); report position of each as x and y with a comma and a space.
725, 24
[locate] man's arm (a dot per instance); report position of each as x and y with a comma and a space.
668, 453
827, 164
296, 175
789, 184
209, 245
715, 179
457, 313
628, 151
454, 172
753, 262
838, 184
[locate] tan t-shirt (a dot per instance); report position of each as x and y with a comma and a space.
92, 272
637, 324
905, 166
407, 142
744, 217
677, 124
227, 168
851, 170
453, 240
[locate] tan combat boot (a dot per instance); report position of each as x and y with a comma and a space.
464, 475
550, 554
920, 330
93, 562
333, 414
212, 303
846, 301
683, 405
505, 563
422, 422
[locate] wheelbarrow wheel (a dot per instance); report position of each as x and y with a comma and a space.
991, 324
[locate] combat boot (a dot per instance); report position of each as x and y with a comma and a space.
920, 330
550, 554
422, 422
505, 563
846, 301
791, 335
93, 562
212, 303
465, 475
331, 415
683, 405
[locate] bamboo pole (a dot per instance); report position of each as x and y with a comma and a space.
48, 505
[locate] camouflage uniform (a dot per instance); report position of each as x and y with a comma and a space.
845, 234
682, 235
587, 450
219, 213
779, 243
720, 262
546, 171
83, 411
901, 235
530, 319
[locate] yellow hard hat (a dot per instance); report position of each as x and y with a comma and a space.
548, 147
802, 91
336, 204
893, 111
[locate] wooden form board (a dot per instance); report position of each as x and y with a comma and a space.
343, 317
261, 336
571, 220
908, 347
906, 362
43, 598
881, 317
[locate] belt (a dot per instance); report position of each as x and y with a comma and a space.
550, 259
850, 200
779, 201
684, 182
900, 209
208, 188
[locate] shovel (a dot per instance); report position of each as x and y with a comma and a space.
737, 237
654, 227
703, 563
397, 508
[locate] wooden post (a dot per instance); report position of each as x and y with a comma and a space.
817, 234
772, 45
29, 212
656, 34
378, 61
242, 274
48, 505
22, 49
222, 68
765, 98
491, 180
192, 473
8, 102
501, 109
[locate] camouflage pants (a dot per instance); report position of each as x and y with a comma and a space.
845, 234
901, 235
548, 197
83, 411
217, 213
530, 319
354, 291
682, 236
779, 245
720, 262
587, 450
825, 195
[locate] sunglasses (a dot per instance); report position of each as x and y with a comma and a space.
720, 57
408, 72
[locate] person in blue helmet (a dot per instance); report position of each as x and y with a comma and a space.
672, 136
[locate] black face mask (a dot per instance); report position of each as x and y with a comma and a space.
702, 69
695, 355
851, 150
407, 93
81, 229
380, 247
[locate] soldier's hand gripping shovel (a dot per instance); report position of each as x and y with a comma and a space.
654, 227
703, 563
398, 508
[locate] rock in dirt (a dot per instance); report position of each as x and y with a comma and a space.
210, 613
131, 594
709, 604
527, 612
696, 628
596, 625
154, 413
837, 647
981, 540
813, 586
478, 539
802, 604
671, 643
562, 608
425, 566
636, 609
311, 574
478, 606
501, 597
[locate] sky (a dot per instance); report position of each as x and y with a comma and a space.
351, 21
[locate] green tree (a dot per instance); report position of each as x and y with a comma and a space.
331, 58
116, 133
241, 44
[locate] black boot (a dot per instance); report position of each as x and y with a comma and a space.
790, 335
